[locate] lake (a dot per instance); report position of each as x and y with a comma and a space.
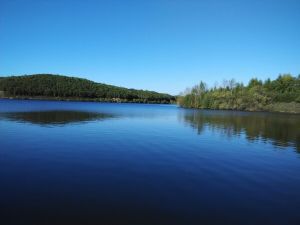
100, 163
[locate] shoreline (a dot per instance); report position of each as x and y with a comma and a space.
103, 100
270, 110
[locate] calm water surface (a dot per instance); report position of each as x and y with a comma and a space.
95, 163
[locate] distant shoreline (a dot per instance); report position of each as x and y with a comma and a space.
43, 98
275, 108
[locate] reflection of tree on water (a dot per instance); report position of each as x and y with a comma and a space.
280, 129
55, 117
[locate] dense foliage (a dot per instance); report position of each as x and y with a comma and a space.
257, 95
56, 86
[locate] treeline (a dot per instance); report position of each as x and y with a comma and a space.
281, 94
63, 87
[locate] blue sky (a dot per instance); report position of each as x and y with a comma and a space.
157, 45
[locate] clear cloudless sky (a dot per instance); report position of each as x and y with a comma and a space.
161, 45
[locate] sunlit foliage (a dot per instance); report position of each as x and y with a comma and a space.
257, 95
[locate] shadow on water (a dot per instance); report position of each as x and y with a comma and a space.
282, 130
55, 118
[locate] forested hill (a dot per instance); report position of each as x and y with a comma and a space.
279, 95
63, 87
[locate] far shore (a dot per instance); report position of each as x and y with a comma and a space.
288, 108
114, 100
282, 107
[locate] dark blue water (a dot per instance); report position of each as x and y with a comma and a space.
95, 163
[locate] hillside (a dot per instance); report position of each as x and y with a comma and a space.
63, 87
